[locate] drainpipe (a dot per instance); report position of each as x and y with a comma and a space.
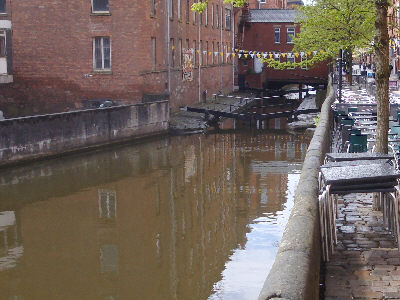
200, 55
220, 44
168, 46
233, 46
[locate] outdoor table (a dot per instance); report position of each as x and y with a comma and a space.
365, 123
366, 173
363, 118
360, 113
356, 156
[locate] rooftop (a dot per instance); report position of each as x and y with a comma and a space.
273, 15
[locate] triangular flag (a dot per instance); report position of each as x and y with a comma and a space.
296, 54
283, 54
322, 51
215, 53
301, 54
270, 55
258, 55
209, 53
240, 55
308, 53
172, 47
236, 50
245, 55
276, 55
198, 51
252, 55
227, 54
221, 53
315, 52
204, 52
265, 55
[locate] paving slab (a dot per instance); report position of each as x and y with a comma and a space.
366, 262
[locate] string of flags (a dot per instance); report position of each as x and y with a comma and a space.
258, 54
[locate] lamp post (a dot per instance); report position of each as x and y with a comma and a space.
340, 74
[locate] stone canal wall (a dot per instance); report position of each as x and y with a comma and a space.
53, 134
295, 272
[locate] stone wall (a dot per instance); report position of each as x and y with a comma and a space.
54, 134
295, 272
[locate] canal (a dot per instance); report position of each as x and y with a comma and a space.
186, 217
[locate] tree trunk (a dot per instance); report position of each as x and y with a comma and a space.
349, 58
382, 75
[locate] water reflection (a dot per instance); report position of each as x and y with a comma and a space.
179, 218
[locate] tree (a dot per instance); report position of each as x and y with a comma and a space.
201, 5
327, 26
381, 45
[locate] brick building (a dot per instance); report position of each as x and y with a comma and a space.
66, 53
5, 45
271, 31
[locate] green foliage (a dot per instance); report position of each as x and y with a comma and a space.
201, 5
316, 120
331, 25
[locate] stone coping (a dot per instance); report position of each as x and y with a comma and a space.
296, 270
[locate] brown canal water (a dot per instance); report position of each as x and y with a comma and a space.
189, 217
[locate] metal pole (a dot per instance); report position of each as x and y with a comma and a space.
340, 74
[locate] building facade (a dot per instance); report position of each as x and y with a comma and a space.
269, 33
68, 53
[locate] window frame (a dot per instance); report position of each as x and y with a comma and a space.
100, 11
290, 40
3, 12
277, 30
102, 69
228, 15
291, 58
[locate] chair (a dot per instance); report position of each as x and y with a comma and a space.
352, 109
357, 143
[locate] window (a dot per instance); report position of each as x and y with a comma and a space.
200, 52
245, 64
304, 59
179, 10
152, 8
290, 60
219, 53
3, 51
180, 56
97, 6
207, 53
277, 35
212, 53
278, 59
102, 53
262, 1
3, 6
206, 16
217, 16
171, 9
212, 15
194, 53
290, 35
187, 11
227, 19
107, 204
172, 45
153, 53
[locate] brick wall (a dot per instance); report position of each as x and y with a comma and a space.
53, 54
260, 37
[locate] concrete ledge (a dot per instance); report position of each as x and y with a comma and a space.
295, 272
40, 136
